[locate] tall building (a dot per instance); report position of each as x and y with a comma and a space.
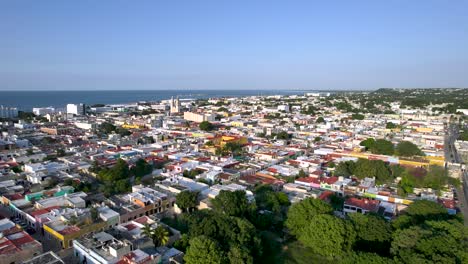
76, 109
43, 110
195, 117
175, 105
8, 112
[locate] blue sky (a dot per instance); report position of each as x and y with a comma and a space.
63, 45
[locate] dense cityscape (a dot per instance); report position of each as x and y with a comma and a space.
317, 177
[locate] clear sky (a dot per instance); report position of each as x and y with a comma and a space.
200, 44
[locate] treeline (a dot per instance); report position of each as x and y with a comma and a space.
435, 177
425, 233
108, 128
385, 147
119, 178
233, 231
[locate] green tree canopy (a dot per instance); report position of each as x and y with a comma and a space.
390, 125
345, 168
383, 147
239, 255
407, 149
357, 117
438, 241
368, 143
372, 168
204, 250
373, 233
187, 200
301, 213
206, 126
283, 135
365, 258
328, 235
231, 203
141, 168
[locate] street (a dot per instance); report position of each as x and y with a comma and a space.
451, 156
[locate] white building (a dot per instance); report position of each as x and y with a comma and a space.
284, 108
85, 125
76, 109
198, 117
43, 110
100, 248
8, 112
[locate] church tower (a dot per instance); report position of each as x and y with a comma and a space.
175, 105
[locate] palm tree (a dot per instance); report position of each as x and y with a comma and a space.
147, 230
159, 235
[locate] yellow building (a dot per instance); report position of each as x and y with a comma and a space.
424, 129
128, 126
65, 234
223, 140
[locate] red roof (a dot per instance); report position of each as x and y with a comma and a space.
14, 196
447, 203
330, 180
366, 204
309, 180
38, 212
325, 195
130, 227
7, 247
142, 220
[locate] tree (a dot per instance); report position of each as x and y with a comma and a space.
94, 213
159, 235
407, 149
239, 255
107, 128
283, 135
390, 125
436, 177
123, 131
345, 168
357, 117
373, 233
328, 235
372, 168
60, 152
206, 126
301, 174
266, 198
95, 167
365, 258
320, 120
420, 211
187, 200
118, 172
368, 143
439, 241
301, 213
383, 147
141, 168
204, 250
231, 203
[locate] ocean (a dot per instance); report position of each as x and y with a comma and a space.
26, 100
